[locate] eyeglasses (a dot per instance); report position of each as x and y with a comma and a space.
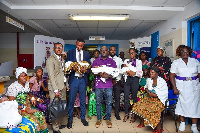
185, 52
58, 48
132, 53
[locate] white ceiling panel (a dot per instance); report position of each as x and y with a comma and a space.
20, 2
87, 23
129, 23
116, 2
106, 30
69, 31
50, 17
49, 2
108, 23
62, 23
88, 31
153, 15
177, 3
148, 2
75, 2
123, 30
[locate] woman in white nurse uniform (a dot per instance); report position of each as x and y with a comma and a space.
184, 76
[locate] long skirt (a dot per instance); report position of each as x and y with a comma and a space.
150, 109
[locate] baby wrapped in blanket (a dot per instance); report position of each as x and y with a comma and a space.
9, 113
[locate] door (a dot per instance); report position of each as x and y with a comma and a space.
154, 44
26, 60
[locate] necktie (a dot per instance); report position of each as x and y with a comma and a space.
79, 56
80, 60
61, 62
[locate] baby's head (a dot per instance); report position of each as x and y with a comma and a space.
3, 98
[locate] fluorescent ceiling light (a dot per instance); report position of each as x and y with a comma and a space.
98, 17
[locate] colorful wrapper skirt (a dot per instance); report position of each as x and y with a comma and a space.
26, 126
41, 106
37, 117
150, 109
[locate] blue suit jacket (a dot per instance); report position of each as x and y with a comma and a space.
71, 56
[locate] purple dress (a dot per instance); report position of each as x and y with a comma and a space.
35, 90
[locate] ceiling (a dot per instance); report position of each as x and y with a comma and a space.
50, 17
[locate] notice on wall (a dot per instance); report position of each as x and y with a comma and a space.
43, 49
169, 48
140, 42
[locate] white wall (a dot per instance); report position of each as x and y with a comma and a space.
178, 21
124, 45
176, 27
8, 46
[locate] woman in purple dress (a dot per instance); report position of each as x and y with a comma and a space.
35, 83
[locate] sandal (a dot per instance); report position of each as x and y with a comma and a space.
158, 131
140, 125
125, 118
133, 118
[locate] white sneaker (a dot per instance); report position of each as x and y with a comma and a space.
194, 129
182, 127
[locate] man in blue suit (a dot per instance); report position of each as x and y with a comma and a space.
78, 82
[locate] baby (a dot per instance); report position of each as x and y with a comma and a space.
3, 98
9, 113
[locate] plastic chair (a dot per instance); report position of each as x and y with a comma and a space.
170, 104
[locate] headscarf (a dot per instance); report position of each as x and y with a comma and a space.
156, 69
37, 67
20, 70
160, 47
145, 66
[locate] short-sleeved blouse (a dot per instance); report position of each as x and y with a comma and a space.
36, 86
16, 88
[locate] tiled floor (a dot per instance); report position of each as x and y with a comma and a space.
118, 126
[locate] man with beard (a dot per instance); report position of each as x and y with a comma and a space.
117, 81
104, 88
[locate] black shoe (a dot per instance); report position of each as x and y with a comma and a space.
62, 126
69, 124
56, 131
117, 117
85, 123
105, 117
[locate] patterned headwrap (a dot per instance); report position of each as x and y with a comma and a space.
20, 70
160, 47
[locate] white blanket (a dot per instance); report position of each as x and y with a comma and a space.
9, 115
109, 70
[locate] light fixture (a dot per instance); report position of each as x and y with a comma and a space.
98, 17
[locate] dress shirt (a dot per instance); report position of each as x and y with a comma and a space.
77, 58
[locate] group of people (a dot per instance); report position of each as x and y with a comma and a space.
147, 82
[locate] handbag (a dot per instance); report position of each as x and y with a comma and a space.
56, 109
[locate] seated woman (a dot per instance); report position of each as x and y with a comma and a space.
40, 101
19, 91
17, 124
150, 107
141, 93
